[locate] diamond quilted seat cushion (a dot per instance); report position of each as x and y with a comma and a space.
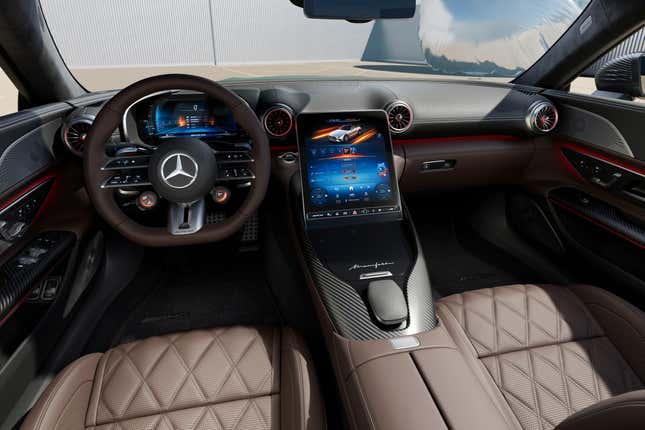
552, 351
243, 378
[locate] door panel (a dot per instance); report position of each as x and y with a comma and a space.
45, 218
590, 179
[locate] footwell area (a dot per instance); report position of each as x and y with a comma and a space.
458, 258
189, 288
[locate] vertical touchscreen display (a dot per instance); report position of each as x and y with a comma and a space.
346, 165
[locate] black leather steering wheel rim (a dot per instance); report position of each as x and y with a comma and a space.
110, 118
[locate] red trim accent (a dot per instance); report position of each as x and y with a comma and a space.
569, 167
603, 157
596, 222
450, 139
17, 195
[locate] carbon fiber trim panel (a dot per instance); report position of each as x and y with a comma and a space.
599, 212
349, 312
17, 277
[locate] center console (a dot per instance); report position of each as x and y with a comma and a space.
396, 365
359, 246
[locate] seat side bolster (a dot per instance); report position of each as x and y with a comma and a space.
625, 412
623, 323
64, 403
300, 398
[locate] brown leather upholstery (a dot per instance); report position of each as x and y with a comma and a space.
552, 351
224, 378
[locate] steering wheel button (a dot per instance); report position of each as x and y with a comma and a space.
221, 195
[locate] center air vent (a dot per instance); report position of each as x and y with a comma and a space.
542, 117
278, 121
75, 132
399, 116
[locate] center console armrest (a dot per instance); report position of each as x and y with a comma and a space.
427, 386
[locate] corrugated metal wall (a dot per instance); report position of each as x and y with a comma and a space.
100, 33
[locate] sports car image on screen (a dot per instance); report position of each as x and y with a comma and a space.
345, 133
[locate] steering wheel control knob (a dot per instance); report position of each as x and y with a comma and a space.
147, 200
183, 170
221, 195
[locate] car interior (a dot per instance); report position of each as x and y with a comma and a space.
325, 252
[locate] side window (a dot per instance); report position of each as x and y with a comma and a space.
586, 83
8, 95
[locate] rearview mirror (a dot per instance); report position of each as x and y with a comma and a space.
360, 10
624, 75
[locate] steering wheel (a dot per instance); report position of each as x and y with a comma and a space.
182, 171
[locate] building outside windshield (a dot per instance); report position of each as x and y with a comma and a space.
108, 44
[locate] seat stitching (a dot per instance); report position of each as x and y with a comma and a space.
69, 403
494, 313
593, 373
258, 410
534, 388
542, 345
183, 408
99, 376
528, 333
144, 380
55, 390
532, 378
544, 387
242, 413
564, 382
198, 421
526, 318
189, 371
235, 363
520, 401
214, 415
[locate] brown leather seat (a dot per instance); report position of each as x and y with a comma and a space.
225, 378
554, 356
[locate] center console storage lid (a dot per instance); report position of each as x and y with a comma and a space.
431, 385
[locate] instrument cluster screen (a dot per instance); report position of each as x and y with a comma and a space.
346, 165
192, 116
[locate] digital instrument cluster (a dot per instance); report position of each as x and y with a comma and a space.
186, 115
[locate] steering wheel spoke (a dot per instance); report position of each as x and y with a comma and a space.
127, 180
127, 163
186, 218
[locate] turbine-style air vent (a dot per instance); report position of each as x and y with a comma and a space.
542, 117
75, 132
399, 116
278, 121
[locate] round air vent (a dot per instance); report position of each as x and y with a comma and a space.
542, 117
75, 132
399, 116
278, 121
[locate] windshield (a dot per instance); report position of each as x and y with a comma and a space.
110, 44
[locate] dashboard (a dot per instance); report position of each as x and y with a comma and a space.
347, 157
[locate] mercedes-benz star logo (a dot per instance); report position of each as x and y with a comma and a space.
179, 170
